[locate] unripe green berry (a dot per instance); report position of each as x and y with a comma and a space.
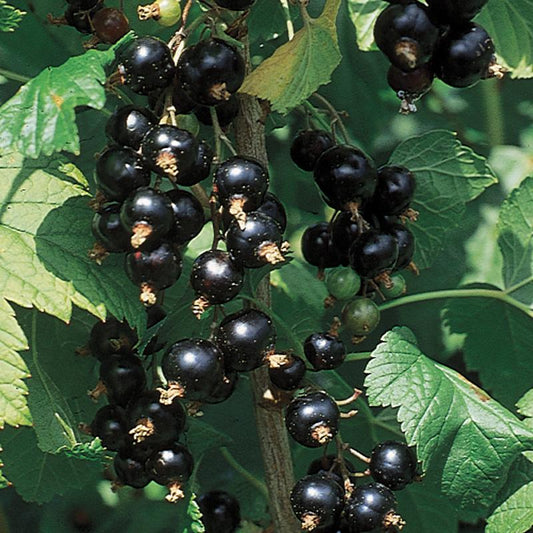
397, 289
343, 283
360, 316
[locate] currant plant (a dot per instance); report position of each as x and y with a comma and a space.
241, 292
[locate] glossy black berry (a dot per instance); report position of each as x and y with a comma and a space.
258, 243
235, 5
312, 419
153, 270
451, 11
368, 506
226, 112
110, 25
131, 472
108, 229
324, 351
406, 244
344, 232
273, 208
317, 500
308, 146
81, 19
413, 84
343, 283
154, 423
200, 169
210, 71
169, 151
148, 215
360, 316
146, 64
406, 35
393, 464
240, 184
245, 338
154, 315
394, 191
129, 124
464, 55
223, 389
373, 253
111, 337
124, 378
221, 512
329, 466
195, 366
189, 218
288, 376
317, 248
216, 277
109, 424
346, 176
120, 171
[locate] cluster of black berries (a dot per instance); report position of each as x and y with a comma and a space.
367, 231
328, 500
136, 423
106, 24
438, 40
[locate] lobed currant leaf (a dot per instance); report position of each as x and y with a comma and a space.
363, 14
516, 510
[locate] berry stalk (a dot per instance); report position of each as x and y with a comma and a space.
250, 141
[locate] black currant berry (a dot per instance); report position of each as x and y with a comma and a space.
394, 191
368, 506
146, 64
464, 55
288, 376
240, 184
373, 253
317, 248
393, 464
221, 512
452, 11
308, 146
235, 5
81, 18
317, 500
200, 169
345, 176
120, 171
108, 229
329, 466
226, 112
111, 337
210, 71
193, 367
189, 218
406, 244
110, 25
154, 315
109, 424
258, 243
406, 35
324, 351
245, 339
169, 151
148, 215
131, 472
343, 283
129, 124
154, 423
410, 86
360, 316
215, 277
344, 232
273, 208
153, 271
124, 378
224, 389
312, 419
83, 5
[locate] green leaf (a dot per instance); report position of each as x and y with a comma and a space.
88, 451
448, 175
363, 14
299, 67
497, 345
516, 242
446, 417
517, 510
508, 23
13, 391
38, 476
40, 119
202, 437
525, 404
10, 16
